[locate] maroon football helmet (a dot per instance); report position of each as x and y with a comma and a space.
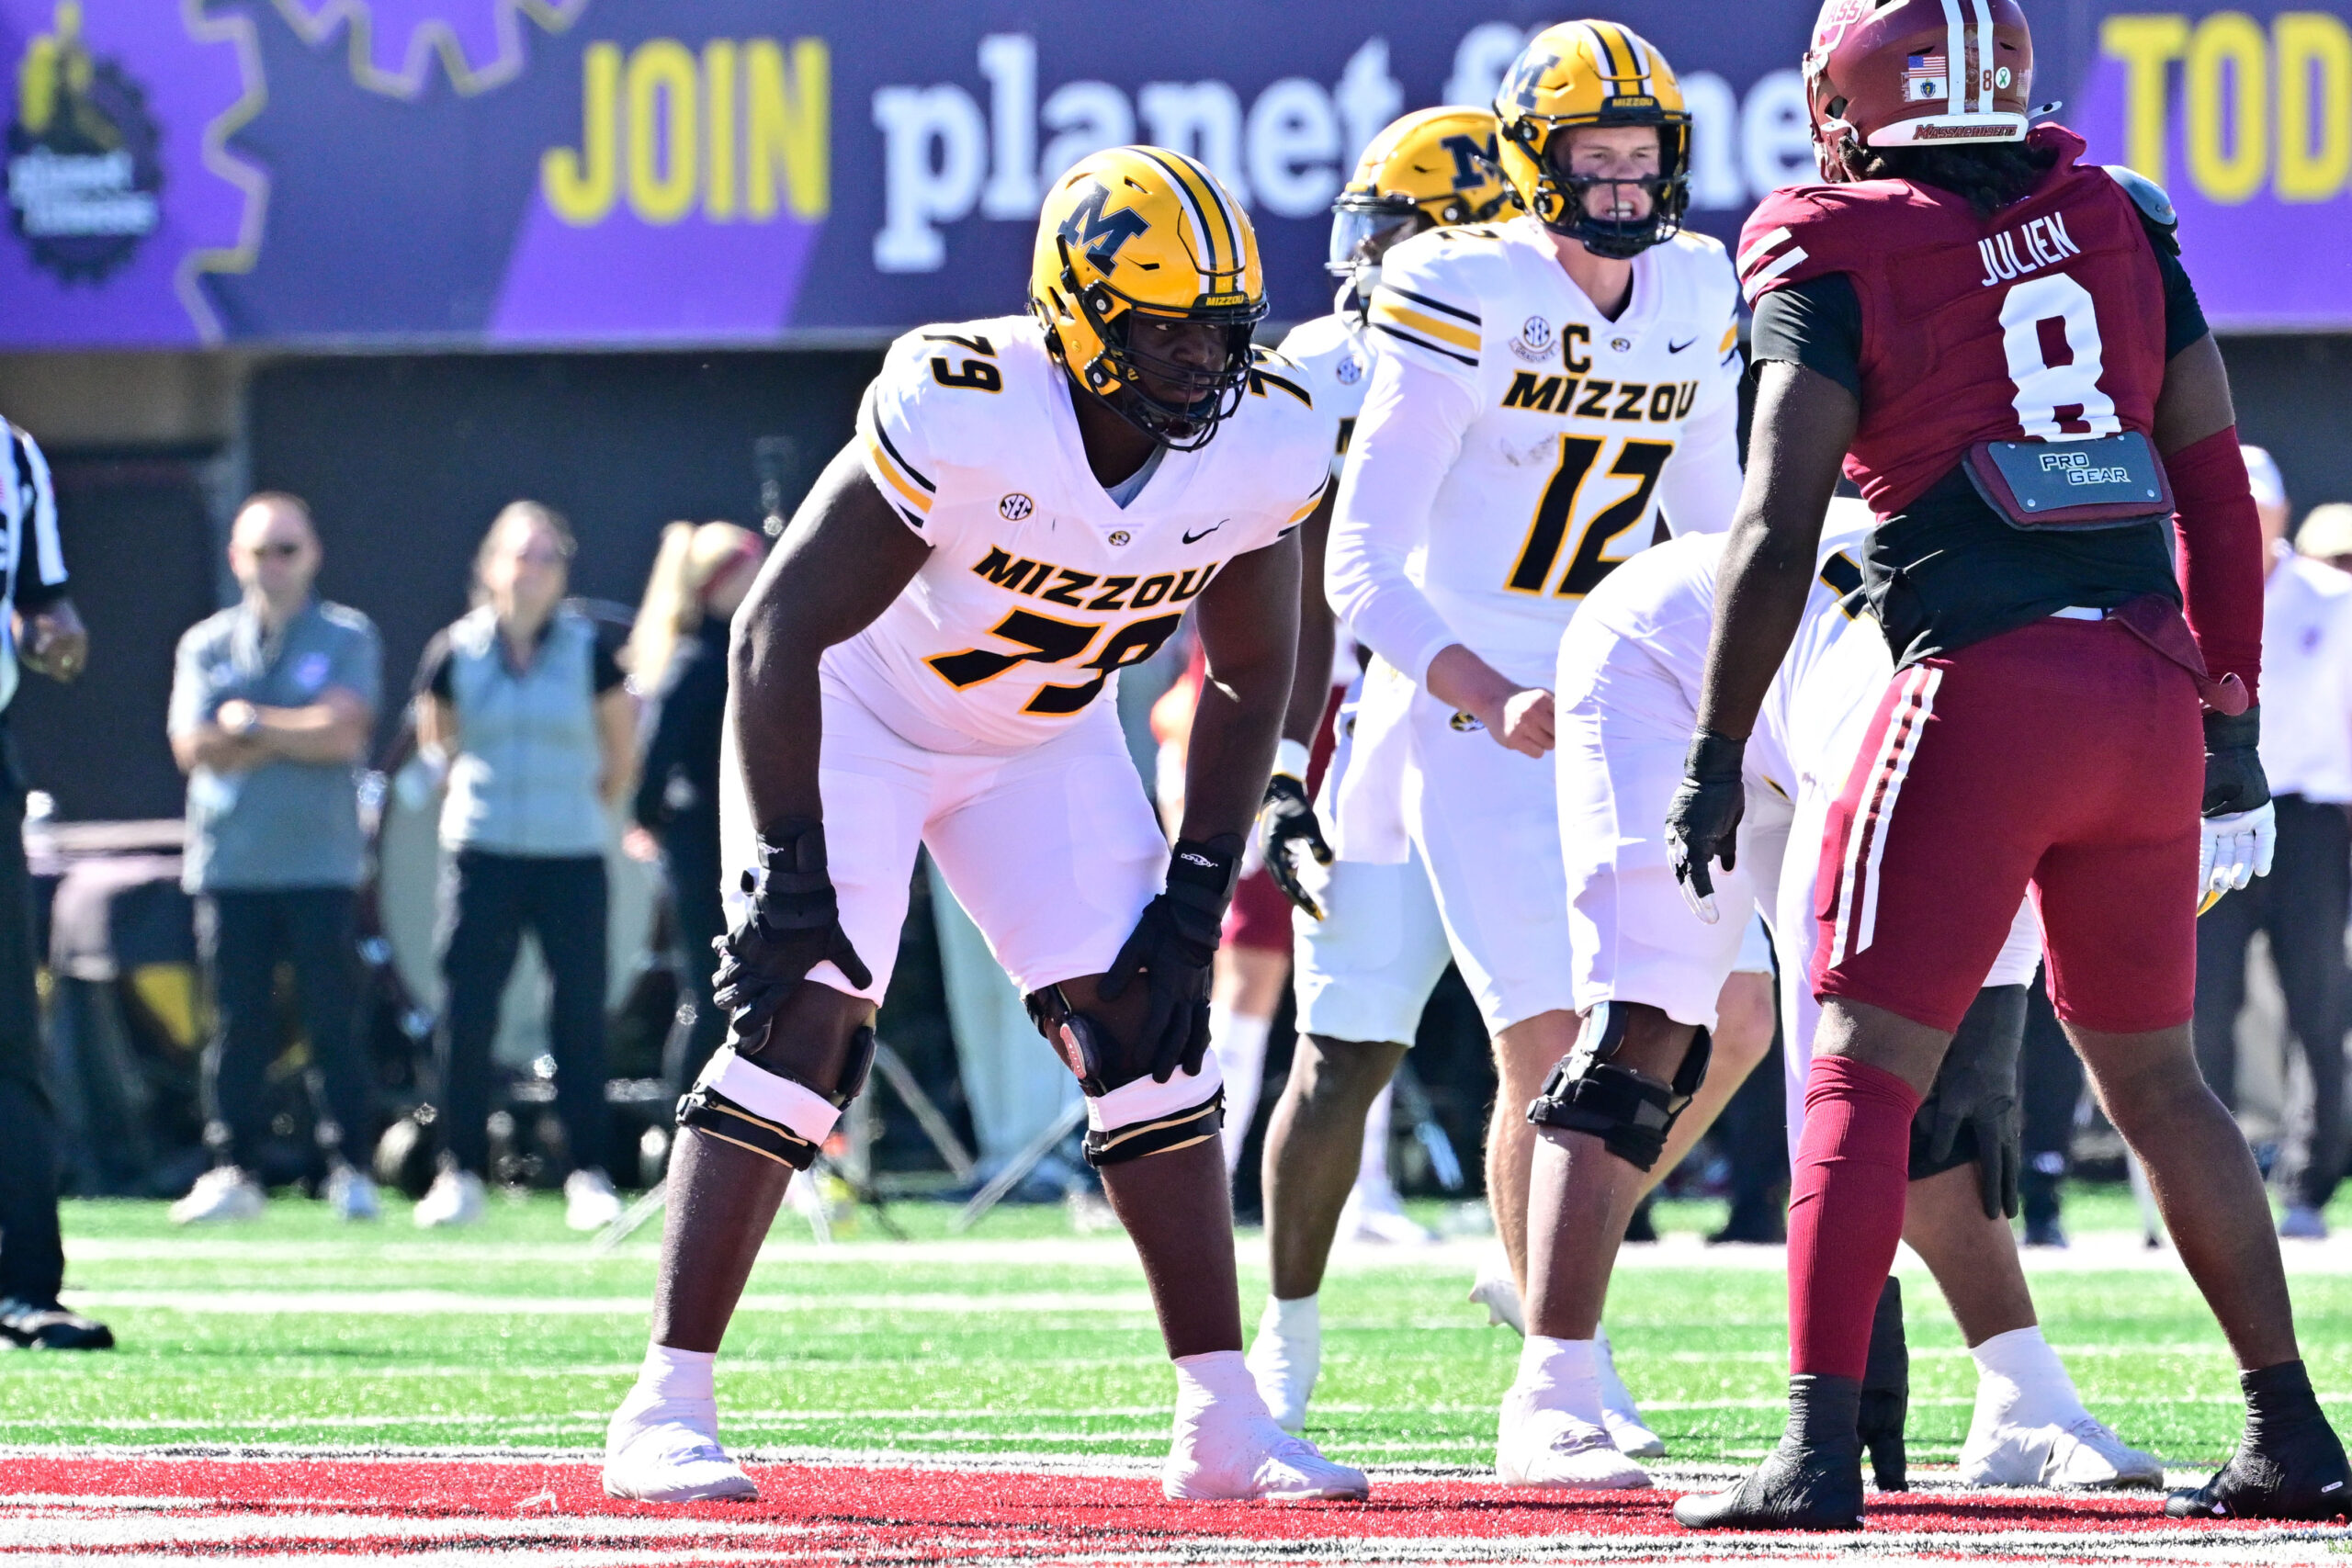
1905, 73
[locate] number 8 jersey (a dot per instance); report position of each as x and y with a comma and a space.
1517, 445
1041, 587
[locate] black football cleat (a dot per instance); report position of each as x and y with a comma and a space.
1812, 1480
27, 1326
2290, 1464
1886, 1392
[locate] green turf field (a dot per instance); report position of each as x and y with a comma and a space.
1023, 1338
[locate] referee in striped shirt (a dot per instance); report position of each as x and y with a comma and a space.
41, 632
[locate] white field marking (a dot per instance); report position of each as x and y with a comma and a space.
2092, 1252
454, 1303
89, 1532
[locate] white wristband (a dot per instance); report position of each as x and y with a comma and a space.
1291, 758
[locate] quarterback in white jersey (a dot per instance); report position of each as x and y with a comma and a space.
1545, 386
1029, 506
1630, 672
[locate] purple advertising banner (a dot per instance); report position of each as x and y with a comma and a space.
647, 172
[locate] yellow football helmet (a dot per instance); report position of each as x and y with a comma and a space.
1142, 233
1580, 73
1431, 168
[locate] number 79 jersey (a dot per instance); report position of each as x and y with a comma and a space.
2044, 321
1040, 588
1573, 428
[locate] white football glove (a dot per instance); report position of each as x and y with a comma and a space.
2236, 850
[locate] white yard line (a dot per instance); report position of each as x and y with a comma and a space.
457, 1303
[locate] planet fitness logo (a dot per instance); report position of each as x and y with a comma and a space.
85, 174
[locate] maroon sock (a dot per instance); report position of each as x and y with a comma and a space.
1845, 1210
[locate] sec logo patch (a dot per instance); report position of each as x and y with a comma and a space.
1534, 339
1014, 507
1349, 371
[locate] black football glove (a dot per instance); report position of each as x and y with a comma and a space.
2233, 778
792, 925
1287, 824
1702, 820
1173, 947
1977, 1088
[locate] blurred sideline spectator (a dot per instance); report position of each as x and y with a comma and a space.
529, 709
677, 656
2326, 535
2307, 752
41, 632
272, 702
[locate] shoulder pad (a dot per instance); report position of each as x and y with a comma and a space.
2157, 210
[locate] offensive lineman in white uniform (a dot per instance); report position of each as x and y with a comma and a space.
1629, 675
1031, 504
1542, 385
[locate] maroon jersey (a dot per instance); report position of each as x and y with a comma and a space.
2044, 321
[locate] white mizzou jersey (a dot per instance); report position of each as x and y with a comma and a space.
1664, 603
1040, 587
1522, 443
1333, 354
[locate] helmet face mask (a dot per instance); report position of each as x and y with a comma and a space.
1599, 75
1431, 168
1146, 278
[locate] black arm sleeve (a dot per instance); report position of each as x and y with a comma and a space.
1816, 324
2184, 316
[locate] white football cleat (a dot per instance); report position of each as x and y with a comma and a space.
1619, 1414
455, 1198
2083, 1456
1284, 1367
1499, 1292
223, 1193
588, 1202
666, 1450
1553, 1447
1226, 1455
351, 1195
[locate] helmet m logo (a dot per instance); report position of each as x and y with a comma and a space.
1469, 154
1101, 235
1527, 81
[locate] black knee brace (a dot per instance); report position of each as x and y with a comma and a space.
1631, 1112
775, 1101
1128, 1115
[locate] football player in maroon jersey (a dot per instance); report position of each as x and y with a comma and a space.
1999, 343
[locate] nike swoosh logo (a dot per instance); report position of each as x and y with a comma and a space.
1196, 538
1678, 347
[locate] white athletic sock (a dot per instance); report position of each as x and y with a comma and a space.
1239, 1041
1291, 1321
1214, 1377
1559, 1374
676, 1375
1372, 1170
2021, 1382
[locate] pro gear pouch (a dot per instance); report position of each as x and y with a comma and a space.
2113, 481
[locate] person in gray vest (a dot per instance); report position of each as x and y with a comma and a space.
529, 709
39, 631
273, 701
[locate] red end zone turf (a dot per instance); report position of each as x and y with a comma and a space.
460, 1511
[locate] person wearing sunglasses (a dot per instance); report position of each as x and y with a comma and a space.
272, 702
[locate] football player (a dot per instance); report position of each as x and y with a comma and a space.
1999, 345
1030, 504
1369, 944
1628, 689
1543, 385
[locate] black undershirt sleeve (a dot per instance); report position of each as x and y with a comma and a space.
1816, 324
2184, 316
